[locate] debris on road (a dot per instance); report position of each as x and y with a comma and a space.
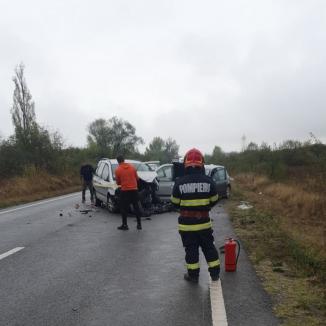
85, 211
244, 205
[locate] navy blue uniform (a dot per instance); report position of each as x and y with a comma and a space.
195, 194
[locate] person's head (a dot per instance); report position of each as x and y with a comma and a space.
194, 159
120, 159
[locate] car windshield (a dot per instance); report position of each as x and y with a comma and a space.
141, 167
138, 166
153, 166
208, 171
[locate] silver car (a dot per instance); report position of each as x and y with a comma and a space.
167, 173
106, 189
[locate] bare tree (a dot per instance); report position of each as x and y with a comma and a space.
23, 113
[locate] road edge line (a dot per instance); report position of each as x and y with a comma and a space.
10, 252
43, 201
217, 304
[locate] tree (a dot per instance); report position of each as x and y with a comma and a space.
162, 150
252, 147
155, 150
264, 146
32, 145
112, 137
217, 155
123, 137
171, 150
23, 113
99, 136
290, 144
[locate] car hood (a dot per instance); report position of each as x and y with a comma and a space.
147, 176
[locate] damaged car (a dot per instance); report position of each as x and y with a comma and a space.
168, 173
107, 191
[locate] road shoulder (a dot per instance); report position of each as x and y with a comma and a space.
246, 302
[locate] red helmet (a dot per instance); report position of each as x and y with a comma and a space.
194, 158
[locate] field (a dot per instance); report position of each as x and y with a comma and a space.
284, 234
35, 185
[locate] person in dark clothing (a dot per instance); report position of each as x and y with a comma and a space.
195, 194
86, 177
127, 178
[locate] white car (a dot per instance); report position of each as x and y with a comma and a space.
153, 164
106, 189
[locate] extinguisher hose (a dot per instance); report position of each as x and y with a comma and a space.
239, 248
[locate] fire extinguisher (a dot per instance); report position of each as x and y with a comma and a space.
231, 258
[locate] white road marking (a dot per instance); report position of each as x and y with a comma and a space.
37, 204
217, 304
10, 252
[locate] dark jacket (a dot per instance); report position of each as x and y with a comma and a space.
86, 172
194, 192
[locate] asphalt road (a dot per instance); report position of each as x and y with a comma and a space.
78, 269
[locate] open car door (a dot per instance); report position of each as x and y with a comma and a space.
178, 170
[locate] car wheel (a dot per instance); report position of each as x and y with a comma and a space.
98, 203
228, 192
111, 205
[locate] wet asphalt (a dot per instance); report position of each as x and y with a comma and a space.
78, 269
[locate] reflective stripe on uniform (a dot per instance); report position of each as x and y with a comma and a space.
214, 263
195, 202
175, 200
195, 227
193, 266
214, 198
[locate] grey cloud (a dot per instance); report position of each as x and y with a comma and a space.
204, 74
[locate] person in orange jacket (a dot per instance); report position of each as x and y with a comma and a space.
126, 177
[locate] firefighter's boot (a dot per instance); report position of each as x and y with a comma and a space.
191, 279
215, 278
123, 227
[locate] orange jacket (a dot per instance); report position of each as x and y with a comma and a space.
126, 176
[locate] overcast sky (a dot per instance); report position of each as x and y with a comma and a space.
202, 72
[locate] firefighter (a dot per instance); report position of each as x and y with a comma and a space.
195, 194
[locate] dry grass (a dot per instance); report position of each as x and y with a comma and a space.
35, 185
284, 235
297, 300
303, 213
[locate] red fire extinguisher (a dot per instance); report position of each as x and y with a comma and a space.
231, 257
